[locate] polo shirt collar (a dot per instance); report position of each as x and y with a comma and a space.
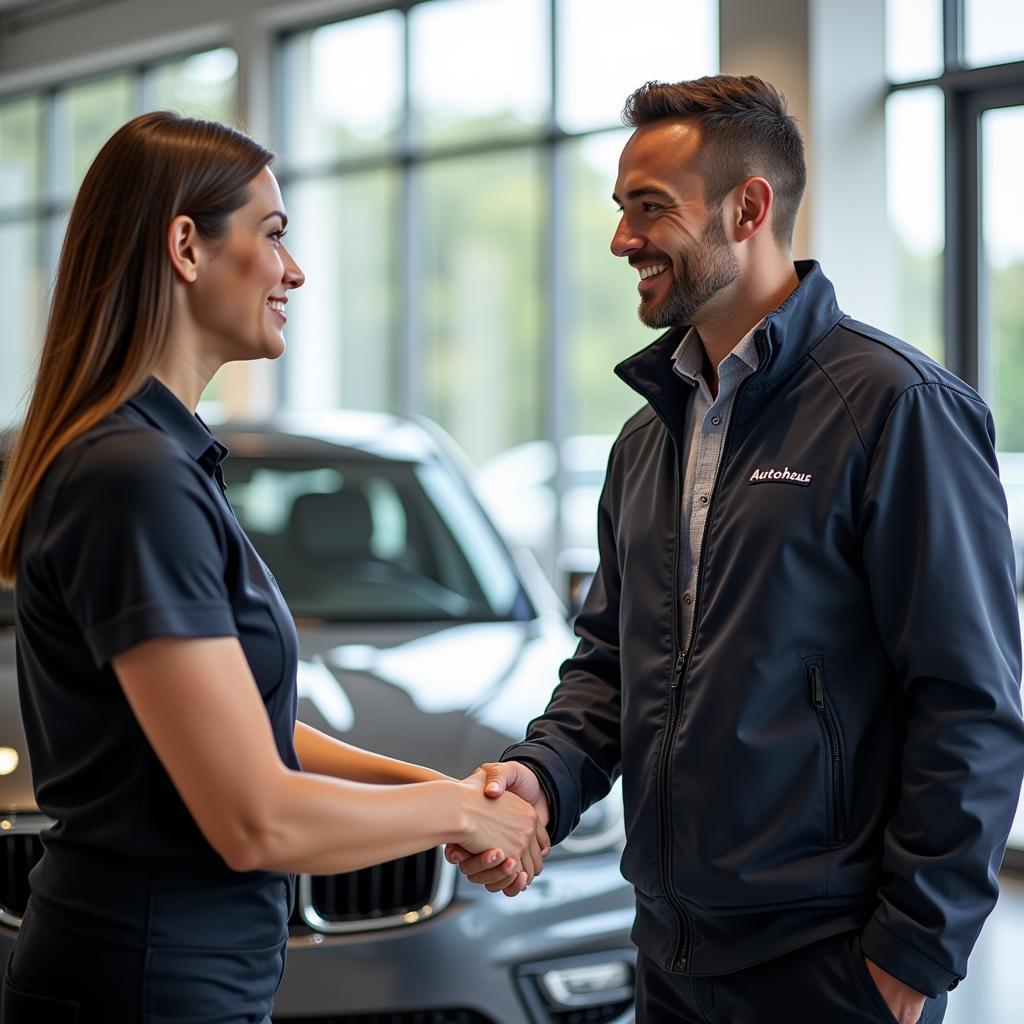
161, 407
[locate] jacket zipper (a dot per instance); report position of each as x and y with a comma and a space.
676, 689
838, 790
682, 951
668, 738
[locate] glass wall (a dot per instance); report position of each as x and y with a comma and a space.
448, 170
993, 31
914, 123
1002, 272
47, 141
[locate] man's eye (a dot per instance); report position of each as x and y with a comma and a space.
651, 207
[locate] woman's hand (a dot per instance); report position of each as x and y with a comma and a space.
506, 827
488, 869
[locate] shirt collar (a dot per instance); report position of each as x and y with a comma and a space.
161, 407
688, 358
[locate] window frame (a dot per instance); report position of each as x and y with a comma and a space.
967, 92
50, 206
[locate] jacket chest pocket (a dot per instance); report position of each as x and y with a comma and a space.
835, 781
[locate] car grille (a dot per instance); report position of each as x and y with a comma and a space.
406, 1017
19, 853
398, 892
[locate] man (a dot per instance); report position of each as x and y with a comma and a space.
801, 649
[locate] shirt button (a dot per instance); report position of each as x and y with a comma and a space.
716, 420
687, 599
703, 499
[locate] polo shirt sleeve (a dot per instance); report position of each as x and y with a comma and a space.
136, 545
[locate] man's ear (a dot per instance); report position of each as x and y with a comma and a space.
183, 243
753, 207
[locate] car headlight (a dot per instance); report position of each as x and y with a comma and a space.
600, 828
594, 987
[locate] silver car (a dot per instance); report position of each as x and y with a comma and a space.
419, 638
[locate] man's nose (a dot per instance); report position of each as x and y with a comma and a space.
625, 240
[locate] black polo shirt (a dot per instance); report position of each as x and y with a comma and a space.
131, 537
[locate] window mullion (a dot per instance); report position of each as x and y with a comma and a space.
953, 34
554, 388
409, 348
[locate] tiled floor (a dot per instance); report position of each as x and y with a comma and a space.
993, 991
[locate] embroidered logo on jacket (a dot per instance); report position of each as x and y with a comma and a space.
779, 476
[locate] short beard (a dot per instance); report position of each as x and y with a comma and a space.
701, 275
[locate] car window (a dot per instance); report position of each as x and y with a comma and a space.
373, 540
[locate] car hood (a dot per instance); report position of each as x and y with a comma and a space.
446, 696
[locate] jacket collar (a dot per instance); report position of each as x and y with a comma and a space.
785, 336
161, 407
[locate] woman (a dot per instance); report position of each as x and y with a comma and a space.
156, 656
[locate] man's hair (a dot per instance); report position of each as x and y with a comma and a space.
746, 132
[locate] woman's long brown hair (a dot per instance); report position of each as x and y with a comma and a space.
108, 323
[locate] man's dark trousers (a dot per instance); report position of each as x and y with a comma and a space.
826, 982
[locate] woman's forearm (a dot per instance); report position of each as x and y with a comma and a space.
322, 825
311, 823
321, 754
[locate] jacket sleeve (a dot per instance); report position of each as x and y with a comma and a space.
939, 560
573, 747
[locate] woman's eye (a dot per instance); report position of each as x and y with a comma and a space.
277, 235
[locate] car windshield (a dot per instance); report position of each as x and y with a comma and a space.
361, 540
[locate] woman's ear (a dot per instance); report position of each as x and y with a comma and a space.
183, 248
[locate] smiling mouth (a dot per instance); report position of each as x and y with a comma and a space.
277, 306
646, 273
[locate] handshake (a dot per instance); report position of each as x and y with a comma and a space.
509, 816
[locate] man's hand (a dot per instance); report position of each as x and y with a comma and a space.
905, 1003
483, 869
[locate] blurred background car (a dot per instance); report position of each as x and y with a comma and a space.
419, 638
518, 488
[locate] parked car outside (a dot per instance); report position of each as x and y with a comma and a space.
419, 638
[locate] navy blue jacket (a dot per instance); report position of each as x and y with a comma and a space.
839, 742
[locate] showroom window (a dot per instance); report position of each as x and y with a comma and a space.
448, 168
955, 135
48, 138
955, 114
